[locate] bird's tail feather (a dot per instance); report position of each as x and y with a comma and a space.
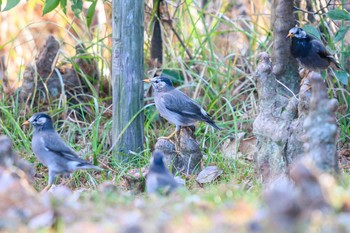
212, 123
208, 118
334, 63
89, 166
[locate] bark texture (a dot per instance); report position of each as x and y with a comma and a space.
285, 122
187, 159
127, 76
285, 67
271, 126
44, 81
285, 126
321, 127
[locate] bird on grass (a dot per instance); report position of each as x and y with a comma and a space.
159, 180
309, 51
52, 151
176, 107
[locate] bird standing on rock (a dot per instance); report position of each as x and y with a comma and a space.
52, 151
309, 51
159, 180
177, 107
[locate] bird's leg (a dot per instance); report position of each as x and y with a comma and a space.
170, 136
177, 145
52, 176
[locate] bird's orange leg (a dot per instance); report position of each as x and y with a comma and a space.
170, 136
177, 142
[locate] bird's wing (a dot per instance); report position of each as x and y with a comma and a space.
54, 143
323, 52
178, 102
320, 48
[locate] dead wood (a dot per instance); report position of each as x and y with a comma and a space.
321, 127
284, 124
272, 125
43, 81
187, 159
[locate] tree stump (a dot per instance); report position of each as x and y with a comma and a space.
187, 159
321, 127
44, 81
285, 126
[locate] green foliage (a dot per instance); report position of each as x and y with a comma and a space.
340, 34
63, 4
50, 5
90, 13
10, 4
344, 16
338, 14
77, 6
342, 76
312, 31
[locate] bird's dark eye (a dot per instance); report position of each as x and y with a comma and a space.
156, 81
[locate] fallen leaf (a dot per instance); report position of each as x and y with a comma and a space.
248, 147
230, 146
209, 174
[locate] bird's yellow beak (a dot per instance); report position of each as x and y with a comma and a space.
147, 80
290, 35
26, 123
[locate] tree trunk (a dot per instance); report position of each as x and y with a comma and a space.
127, 75
285, 67
285, 124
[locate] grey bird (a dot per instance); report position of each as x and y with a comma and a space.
52, 151
159, 180
176, 107
309, 51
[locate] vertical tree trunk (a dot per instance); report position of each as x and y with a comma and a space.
276, 126
285, 124
127, 75
285, 66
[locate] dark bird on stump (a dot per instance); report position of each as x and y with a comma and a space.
159, 180
177, 107
309, 51
52, 151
